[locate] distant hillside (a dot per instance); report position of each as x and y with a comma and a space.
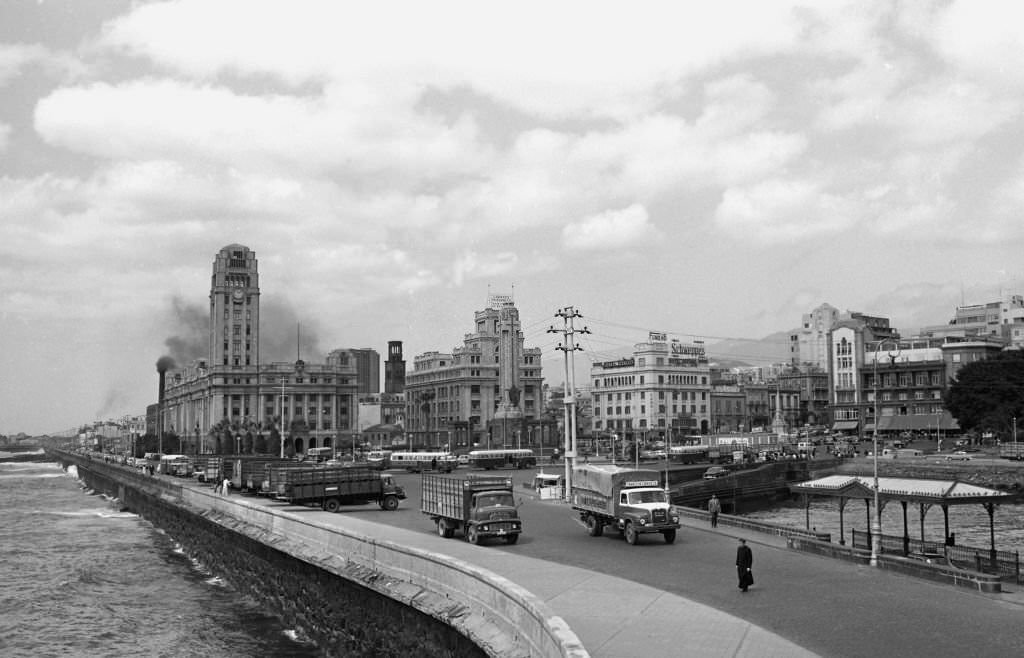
734, 352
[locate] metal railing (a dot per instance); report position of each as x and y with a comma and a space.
984, 560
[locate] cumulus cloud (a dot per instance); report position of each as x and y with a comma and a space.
781, 211
610, 230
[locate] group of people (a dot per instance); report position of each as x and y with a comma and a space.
223, 488
744, 556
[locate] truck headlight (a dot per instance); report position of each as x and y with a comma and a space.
675, 519
643, 521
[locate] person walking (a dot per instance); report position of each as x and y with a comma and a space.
714, 507
225, 487
744, 561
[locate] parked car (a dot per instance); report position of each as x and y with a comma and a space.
715, 472
959, 455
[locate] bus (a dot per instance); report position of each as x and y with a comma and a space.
415, 462
319, 454
690, 454
379, 459
515, 458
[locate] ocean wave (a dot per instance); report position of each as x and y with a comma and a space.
29, 476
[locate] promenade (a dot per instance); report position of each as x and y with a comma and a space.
613, 617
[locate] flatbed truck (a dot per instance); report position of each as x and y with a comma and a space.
481, 507
331, 487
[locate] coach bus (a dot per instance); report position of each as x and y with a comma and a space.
514, 458
415, 462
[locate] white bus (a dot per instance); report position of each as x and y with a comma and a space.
414, 462
319, 454
488, 459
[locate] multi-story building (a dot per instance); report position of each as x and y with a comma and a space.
811, 383
367, 364
454, 398
904, 378
1000, 319
809, 345
663, 386
728, 408
233, 394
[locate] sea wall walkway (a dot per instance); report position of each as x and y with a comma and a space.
511, 605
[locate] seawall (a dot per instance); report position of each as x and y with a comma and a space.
351, 593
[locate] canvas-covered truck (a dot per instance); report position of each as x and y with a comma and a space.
481, 507
627, 499
333, 486
1012, 450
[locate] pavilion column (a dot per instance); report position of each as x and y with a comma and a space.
906, 532
945, 524
807, 511
991, 509
842, 529
867, 511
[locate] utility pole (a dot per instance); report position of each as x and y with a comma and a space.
568, 331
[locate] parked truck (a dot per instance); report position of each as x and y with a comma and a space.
1012, 450
333, 486
627, 499
247, 472
481, 507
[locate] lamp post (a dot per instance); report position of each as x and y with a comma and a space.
876, 522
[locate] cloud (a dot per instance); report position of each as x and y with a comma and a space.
610, 230
781, 210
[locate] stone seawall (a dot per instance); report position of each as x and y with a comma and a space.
354, 595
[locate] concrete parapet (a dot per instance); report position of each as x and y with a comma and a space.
473, 600
497, 615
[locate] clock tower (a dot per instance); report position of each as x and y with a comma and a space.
235, 308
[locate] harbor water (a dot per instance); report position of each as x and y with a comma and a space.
969, 523
82, 578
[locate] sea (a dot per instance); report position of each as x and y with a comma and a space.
82, 578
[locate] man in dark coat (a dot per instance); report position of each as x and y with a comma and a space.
744, 560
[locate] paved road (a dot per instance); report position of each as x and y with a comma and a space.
830, 607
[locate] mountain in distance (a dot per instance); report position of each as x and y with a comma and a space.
741, 352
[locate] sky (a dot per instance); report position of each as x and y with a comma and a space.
710, 170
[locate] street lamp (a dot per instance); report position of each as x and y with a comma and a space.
876, 523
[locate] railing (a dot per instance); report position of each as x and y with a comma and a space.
756, 526
984, 560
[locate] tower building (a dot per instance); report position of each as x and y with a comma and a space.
235, 308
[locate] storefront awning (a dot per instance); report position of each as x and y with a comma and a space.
916, 423
844, 425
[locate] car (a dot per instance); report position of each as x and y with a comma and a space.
463, 460
959, 455
715, 472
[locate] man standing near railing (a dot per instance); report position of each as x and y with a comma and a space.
714, 507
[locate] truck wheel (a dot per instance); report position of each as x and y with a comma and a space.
670, 535
390, 503
511, 539
332, 505
594, 527
472, 536
630, 534
442, 528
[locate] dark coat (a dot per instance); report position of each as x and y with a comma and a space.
744, 557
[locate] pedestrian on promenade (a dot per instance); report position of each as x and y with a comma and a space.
744, 561
714, 507
225, 486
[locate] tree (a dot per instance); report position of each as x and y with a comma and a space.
987, 395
